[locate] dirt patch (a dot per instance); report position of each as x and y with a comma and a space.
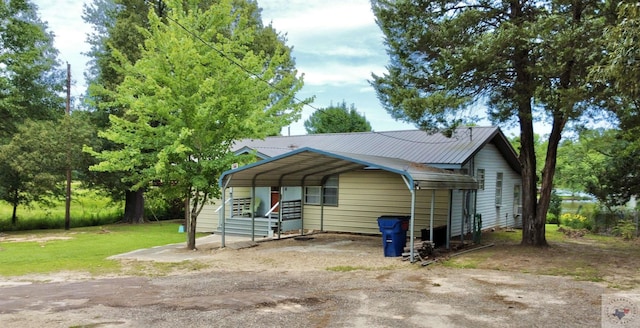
331, 280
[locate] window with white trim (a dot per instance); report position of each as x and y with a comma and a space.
499, 178
517, 200
480, 177
328, 193
312, 195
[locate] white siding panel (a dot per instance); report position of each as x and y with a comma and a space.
490, 159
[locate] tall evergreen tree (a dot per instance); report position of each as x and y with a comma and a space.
524, 60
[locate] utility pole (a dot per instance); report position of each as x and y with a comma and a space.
67, 206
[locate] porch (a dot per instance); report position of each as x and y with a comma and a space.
267, 224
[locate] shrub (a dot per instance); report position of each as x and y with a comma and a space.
576, 221
552, 218
625, 229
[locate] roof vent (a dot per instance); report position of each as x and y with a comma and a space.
292, 146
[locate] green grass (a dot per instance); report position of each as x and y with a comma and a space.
88, 208
86, 249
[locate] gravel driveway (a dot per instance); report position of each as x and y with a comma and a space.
329, 281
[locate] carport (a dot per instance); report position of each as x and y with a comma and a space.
311, 167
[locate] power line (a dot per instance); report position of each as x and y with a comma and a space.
258, 77
234, 62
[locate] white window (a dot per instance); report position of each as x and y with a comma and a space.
517, 200
328, 193
480, 177
312, 195
499, 189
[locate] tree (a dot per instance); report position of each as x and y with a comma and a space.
31, 79
196, 88
34, 162
335, 119
521, 59
118, 25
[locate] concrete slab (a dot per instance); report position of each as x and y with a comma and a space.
179, 252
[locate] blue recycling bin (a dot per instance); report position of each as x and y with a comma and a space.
394, 234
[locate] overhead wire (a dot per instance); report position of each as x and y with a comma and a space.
256, 76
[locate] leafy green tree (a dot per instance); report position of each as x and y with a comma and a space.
335, 119
117, 25
120, 25
31, 79
522, 59
34, 162
189, 96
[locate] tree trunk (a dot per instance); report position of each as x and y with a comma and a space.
15, 202
524, 87
14, 217
190, 219
532, 232
134, 206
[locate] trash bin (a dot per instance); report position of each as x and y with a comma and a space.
394, 234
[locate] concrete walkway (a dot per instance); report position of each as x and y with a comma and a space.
179, 252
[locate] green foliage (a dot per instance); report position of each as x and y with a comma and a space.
576, 221
189, 98
625, 229
34, 162
552, 219
336, 119
524, 59
82, 249
555, 205
31, 80
88, 208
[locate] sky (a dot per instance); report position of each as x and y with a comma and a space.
336, 44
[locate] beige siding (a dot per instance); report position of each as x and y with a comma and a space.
208, 218
363, 196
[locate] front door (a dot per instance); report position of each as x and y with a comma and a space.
275, 198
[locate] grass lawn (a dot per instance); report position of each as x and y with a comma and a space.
80, 249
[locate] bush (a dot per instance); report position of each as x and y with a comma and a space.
552, 218
576, 221
625, 229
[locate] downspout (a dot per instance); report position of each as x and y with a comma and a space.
412, 190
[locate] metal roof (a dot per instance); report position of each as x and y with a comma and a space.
308, 166
411, 145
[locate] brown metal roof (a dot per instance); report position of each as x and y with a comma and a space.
410, 145
308, 166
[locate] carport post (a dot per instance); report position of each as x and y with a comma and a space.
412, 224
433, 205
281, 189
253, 216
412, 189
224, 212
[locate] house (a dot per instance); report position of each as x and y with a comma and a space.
344, 182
